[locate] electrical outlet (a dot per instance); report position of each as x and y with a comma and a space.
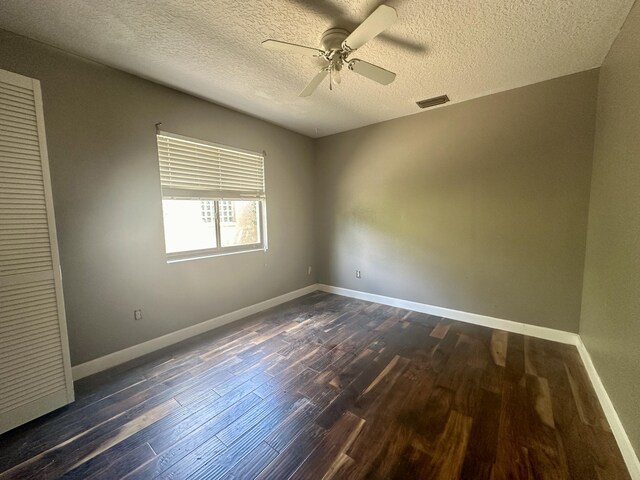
137, 314
358, 274
309, 270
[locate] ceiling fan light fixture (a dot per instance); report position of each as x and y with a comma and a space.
432, 102
336, 78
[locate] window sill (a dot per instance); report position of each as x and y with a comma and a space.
202, 254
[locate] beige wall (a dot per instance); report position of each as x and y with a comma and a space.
610, 324
479, 206
101, 139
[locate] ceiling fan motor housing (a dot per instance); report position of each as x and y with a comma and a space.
332, 39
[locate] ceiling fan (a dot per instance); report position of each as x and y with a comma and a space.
337, 47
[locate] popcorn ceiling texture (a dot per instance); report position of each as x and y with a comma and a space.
212, 49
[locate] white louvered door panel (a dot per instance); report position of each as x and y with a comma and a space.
35, 372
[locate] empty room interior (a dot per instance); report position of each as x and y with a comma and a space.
319, 239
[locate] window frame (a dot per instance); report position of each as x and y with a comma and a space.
202, 195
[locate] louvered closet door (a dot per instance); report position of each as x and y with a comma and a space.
35, 374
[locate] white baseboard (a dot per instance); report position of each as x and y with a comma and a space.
130, 353
508, 325
628, 453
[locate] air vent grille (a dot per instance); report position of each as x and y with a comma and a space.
432, 102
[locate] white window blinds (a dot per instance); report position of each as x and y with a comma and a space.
195, 169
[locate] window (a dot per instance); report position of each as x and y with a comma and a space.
208, 211
227, 212
213, 198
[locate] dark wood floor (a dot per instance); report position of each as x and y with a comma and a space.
330, 387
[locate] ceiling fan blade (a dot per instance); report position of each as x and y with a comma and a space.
313, 84
382, 18
373, 72
279, 46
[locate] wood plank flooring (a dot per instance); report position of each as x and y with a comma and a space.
330, 387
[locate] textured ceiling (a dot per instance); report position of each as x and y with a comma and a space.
212, 49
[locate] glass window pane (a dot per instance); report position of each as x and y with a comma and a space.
239, 223
187, 226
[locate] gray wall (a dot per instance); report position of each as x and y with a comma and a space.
610, 324
104, 166
479, 206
